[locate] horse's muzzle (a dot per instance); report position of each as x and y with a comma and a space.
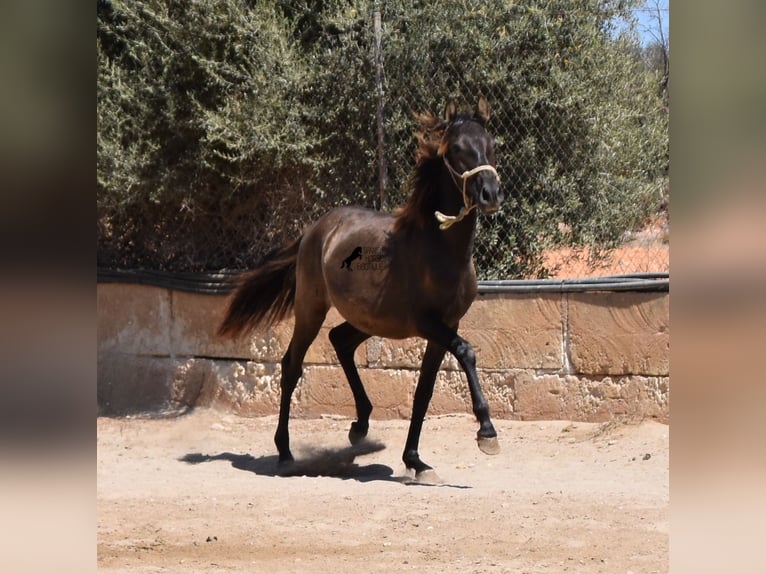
490, 194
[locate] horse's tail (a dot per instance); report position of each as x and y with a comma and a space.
265, 295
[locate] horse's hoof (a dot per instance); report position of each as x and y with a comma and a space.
355, 435
428, 476
286, 467
488, 445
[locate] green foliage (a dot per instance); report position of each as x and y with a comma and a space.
225, 126
206, 90
200, 129
581, 136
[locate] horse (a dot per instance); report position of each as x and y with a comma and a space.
421, 285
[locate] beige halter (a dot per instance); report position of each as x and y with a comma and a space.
446, 221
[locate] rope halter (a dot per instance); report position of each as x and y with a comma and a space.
446, 221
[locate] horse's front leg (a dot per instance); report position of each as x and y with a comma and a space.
423, 393
466, 357
486, 436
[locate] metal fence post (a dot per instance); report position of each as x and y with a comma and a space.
382, 170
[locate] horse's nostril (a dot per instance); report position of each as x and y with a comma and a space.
486, 196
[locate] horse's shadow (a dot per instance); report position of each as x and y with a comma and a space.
334, 463
329, 462
269, 466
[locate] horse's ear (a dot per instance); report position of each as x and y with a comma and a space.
482, 110
450, 111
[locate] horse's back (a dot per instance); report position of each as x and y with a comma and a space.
349, 255
379, 279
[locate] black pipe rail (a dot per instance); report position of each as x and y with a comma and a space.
223, 282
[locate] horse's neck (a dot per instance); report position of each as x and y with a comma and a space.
459, 238
437, 191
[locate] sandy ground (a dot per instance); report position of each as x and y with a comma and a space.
560, 497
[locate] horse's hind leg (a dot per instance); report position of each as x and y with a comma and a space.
305, 331
345, 338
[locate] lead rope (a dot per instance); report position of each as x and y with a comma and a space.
447, 221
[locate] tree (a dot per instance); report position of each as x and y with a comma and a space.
582, 139
225, 126
200, 131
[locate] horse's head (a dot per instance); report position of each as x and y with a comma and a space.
468, 151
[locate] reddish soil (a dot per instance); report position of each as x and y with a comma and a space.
645, 251
560, 497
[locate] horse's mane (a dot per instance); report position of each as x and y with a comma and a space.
420, 204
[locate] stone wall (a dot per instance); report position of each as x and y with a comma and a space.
573, 356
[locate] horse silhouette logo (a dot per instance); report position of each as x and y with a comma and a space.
355, 254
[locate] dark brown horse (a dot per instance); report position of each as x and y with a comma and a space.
419, 280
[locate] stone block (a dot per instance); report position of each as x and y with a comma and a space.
158, 352
246, 388
133, 319
619, 333
569, 397
326, 391
516, 331
395, 354
129, 384
539, 397
517, 348
196, 318
390, 391
451, 394
402, 354
540, 311
629, 397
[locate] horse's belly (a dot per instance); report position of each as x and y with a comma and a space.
372, 308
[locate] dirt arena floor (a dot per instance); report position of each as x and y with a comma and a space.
202, 493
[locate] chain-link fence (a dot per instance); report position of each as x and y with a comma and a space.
643, 245
553, 140
580, 128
